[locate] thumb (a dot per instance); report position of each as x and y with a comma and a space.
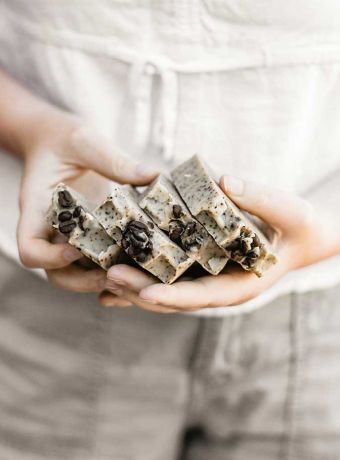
93, 152
280, 209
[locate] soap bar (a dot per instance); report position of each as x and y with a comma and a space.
71, 216
244, 242
164, 205
138, 235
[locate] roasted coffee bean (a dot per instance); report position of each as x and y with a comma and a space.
177, 211
175, 233
81, 223
151, 224
142, 257
233, 245
244, 247
190, 228
256, 242
252, 255
131, 252
125, 243
246, 231
137, 243
140, 235
77, 211
139, 225
64, 216
176, 229
67, 227
65, 199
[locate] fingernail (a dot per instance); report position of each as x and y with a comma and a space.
71, 254
143, 170
234, 185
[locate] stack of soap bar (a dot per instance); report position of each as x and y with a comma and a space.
231, 229
163, 204
70, 215
140, 238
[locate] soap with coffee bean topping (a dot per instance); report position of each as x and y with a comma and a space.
140, 238
70, 215
230, 227
163, 204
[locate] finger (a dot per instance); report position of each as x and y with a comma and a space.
93, 152
280, 209
110, 300
35, 250
136, 300
130, 277
76, 279
232, 288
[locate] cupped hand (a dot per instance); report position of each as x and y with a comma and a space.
303, 237
62, 149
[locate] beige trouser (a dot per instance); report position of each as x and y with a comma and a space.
81, 382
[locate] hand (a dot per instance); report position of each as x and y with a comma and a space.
303, 237
60, 148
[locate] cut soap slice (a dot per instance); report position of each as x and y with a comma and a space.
232, 230
71, 216
135, 232
163, 204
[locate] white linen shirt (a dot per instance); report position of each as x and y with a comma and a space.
254, 87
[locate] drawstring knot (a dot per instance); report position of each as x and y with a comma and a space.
162, 132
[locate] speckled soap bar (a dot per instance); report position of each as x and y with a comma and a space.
231, 229
162, 202
70, 215
140, 238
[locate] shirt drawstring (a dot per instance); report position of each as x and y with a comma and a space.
141, 84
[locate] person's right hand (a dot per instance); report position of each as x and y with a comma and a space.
60, 148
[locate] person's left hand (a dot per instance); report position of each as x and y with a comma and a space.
303, 237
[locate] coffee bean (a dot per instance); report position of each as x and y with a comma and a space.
138, 224
177, 211
151, 224
137, 243
256, 242
140, 235
190, 228
117, 234
175, 233
65, 199
233, 245
77, 211
64, 216
252, 255
244, 247
81, 223
142, 257
125, 243
67, 227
